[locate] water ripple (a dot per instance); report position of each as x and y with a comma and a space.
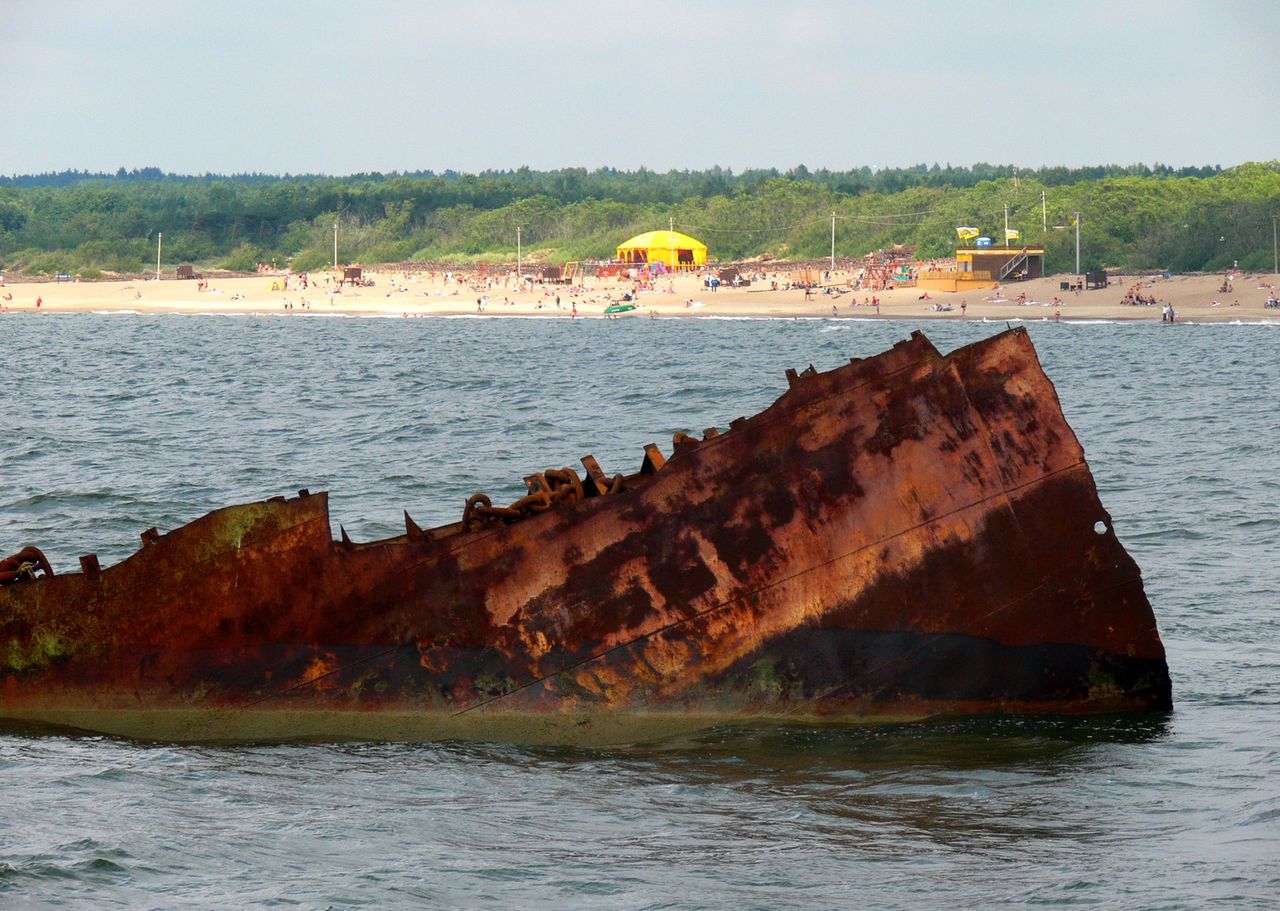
152, 420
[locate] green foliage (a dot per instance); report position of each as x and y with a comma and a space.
310, 261
1131, 216
244, 258
12, 218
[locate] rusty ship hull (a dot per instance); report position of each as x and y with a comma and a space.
901, 537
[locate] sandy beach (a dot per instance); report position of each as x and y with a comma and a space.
1195, 298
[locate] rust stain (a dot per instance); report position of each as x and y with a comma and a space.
906, 535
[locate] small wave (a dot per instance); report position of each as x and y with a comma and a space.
1263, 818
39, 870
1219, 323
765, 319
525, 316
1252, 524
70, 498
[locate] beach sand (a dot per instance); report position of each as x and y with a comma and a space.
400, 295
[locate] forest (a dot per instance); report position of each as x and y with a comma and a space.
1131, 217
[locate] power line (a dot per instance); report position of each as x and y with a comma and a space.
764, 229
886, 218
884, 215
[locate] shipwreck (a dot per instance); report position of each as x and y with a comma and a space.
904, 536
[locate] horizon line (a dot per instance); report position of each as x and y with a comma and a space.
155, 172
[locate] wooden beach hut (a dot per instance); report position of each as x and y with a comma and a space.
1007, 263
984, 267
676, 250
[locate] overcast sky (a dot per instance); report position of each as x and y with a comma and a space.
338, 86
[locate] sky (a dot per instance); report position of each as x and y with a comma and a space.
341, 87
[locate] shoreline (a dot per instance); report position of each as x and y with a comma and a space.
1196, 299
892, 317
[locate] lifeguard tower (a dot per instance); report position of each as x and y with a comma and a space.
984, 265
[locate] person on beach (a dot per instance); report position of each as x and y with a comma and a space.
39, 301
964, 305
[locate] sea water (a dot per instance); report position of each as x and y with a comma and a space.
117, 423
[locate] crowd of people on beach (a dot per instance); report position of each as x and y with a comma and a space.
1135, 298
631, 285
595, 288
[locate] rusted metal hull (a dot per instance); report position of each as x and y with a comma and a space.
904, 536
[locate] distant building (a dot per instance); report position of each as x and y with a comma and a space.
1001, 264
984, 266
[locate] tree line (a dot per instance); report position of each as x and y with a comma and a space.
1131, 217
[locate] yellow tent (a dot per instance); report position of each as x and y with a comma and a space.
679, 251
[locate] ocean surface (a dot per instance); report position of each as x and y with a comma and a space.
115, 423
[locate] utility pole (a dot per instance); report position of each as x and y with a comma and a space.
1077, 243
159, 244
1044, 214
517, 253
1006, 224
335, 246
671, 223
833, 241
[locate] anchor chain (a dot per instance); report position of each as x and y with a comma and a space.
548, 489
